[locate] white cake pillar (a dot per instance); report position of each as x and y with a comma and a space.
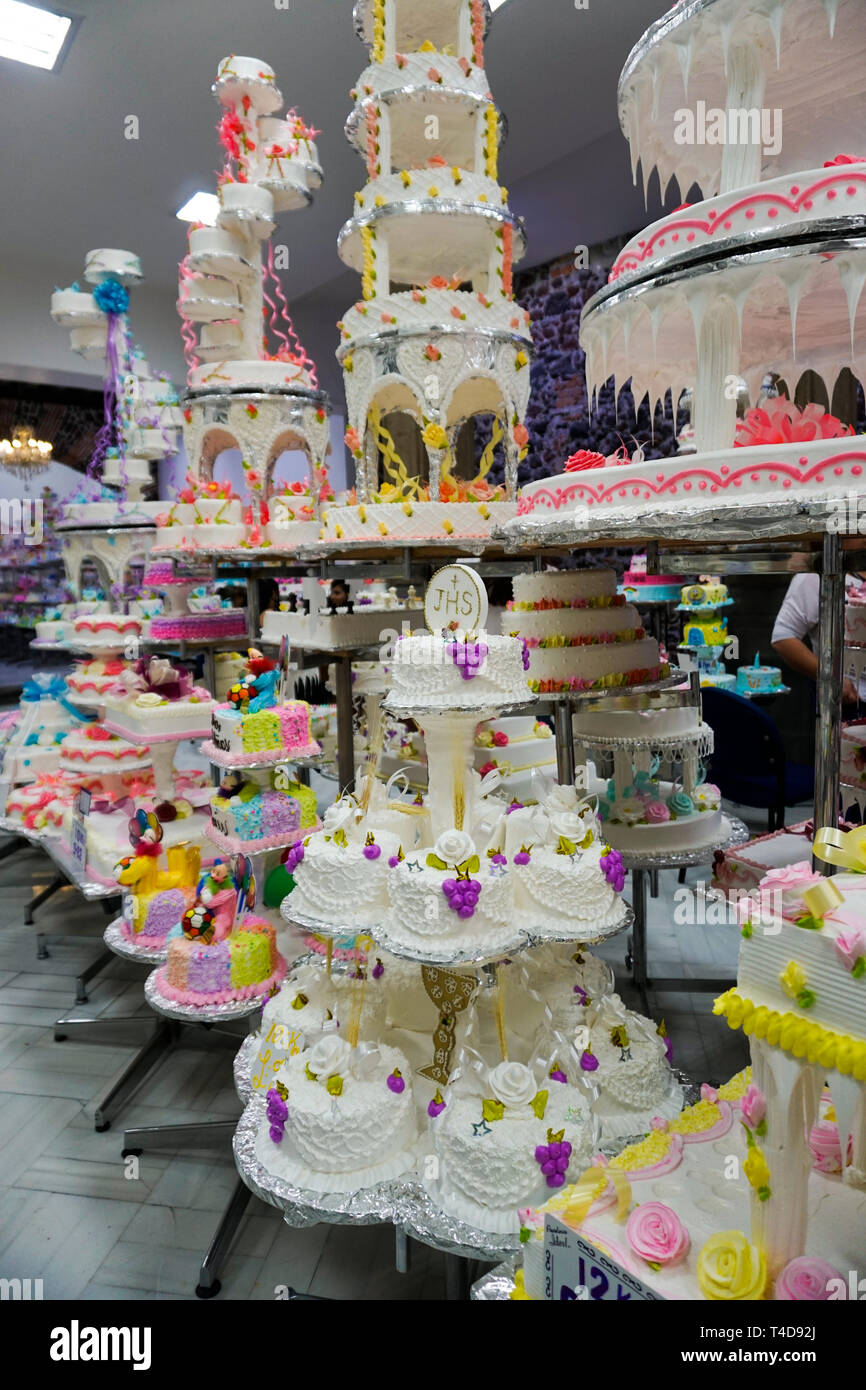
623, 772
718, 334
742, 159
690, 771
792, 1089
252, 301
450, 742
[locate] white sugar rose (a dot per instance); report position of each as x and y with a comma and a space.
454, 846
340, 816
561, 798
513, 1084
329, 1057
149, 700
568, 824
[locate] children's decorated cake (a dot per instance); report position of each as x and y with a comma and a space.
157, 701
254, 726
247, 814
580, 633
158, 896
221, 952
639, 587
757, 679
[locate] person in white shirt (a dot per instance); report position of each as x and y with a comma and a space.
797, 624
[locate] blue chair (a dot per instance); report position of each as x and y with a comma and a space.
749, 764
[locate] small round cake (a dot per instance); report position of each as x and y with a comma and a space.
511, 1147
95, 751
757, 679
339, 877
437, 903
429, 671
346, 1121
632, 1068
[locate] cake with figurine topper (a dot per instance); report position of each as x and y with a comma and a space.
157, 897
256, 724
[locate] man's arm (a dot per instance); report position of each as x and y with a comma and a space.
799, 657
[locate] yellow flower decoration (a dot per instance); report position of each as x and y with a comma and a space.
433, 191
520, 360
730, 1267
435, 437
406, 177
757, 1173
335, 1086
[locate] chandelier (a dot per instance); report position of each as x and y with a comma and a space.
24, 455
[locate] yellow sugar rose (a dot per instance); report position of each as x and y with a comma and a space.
730, 1267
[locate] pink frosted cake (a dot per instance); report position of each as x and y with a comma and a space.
244, 965
90, 680
266, 735
95, 750
206, 515
200, 626
852, 767
112, 630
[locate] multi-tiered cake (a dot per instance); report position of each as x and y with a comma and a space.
437, 335
142, 413
580, 633
764, 274
251, 385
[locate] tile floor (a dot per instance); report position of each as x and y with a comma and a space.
72, 1212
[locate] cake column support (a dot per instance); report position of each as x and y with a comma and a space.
564, 731
345, 734
828, 742
792, 1089
718, 335
747, 82
450, 740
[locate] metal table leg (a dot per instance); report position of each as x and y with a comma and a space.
345, 736
206, 1134
639, 938
208, 1283
457, 1277
14, 844
828, 739
58, 882
105, 958
402, 1251
131, 1076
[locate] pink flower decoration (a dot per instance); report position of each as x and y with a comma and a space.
850, 947
656, 1234
488, 767
500, 738
656, 812
434, 75
520, 435
845, 159
780, 422
805, 1279
825, 1146
659, 1125
709, 1093
753, 1107
584, 458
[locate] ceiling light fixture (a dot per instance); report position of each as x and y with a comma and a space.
201, 207
24, 455
32, 35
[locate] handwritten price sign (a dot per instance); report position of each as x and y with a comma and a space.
574, 1269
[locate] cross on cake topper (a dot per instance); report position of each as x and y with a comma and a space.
456, 594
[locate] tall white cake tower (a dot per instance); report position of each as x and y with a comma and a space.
251, 385
437, 335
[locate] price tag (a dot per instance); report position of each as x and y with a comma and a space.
575, 1269
79, 844
84, 800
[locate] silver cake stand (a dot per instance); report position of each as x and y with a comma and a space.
117, 941
243, 1070
512, 941
197, 1013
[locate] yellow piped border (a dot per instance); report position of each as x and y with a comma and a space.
799, 1036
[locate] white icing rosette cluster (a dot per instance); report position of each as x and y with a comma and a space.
454, 847
329, 1057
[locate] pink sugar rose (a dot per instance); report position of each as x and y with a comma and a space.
656, 1234
806, 1279
753, 1107
656, 812
850, 947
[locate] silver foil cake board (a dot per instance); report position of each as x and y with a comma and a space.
512, 942
738, 834
51, 844
243, 1070
555, 697
497, 1285
117, 941
684, 523
492, 709
197, 1013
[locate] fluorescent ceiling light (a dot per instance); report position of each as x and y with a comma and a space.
32, 35
201, 207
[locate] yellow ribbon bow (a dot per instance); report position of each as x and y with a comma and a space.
847, 848
588, 1188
